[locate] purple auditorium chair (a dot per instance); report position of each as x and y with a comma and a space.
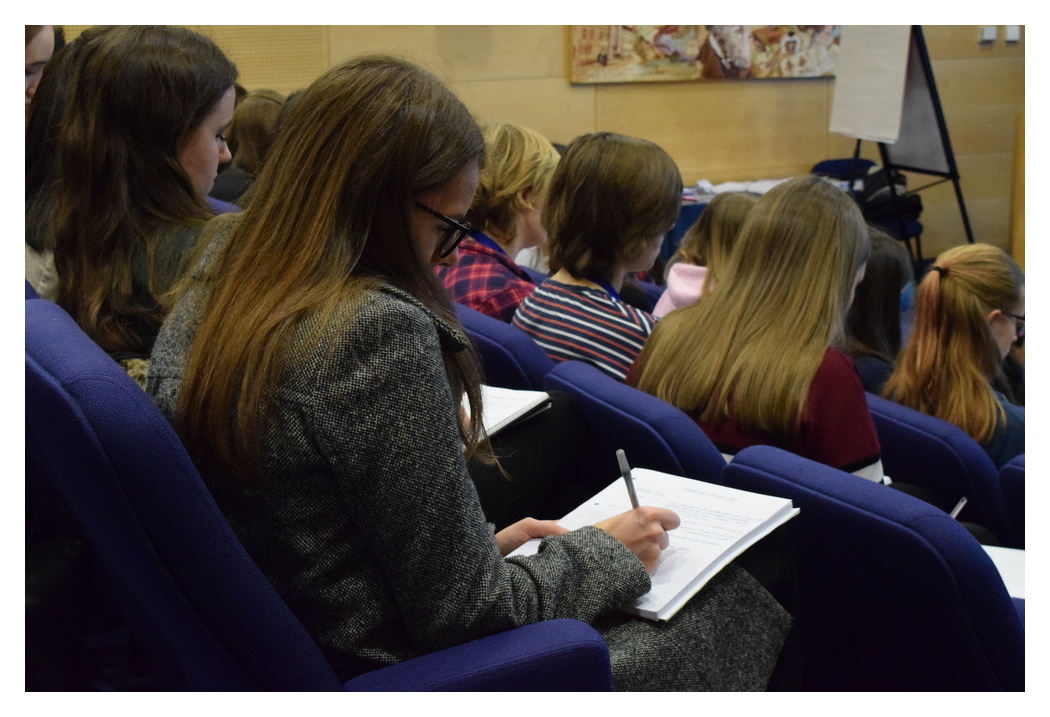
942, 458
894, 595
205, 614
509, 356
220, 206
653, 433
1011, 484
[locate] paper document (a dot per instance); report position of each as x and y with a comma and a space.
718, 524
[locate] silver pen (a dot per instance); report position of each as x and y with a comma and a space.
625, 471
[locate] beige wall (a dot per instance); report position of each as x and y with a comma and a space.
715, 130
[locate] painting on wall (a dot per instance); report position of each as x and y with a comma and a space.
665, 53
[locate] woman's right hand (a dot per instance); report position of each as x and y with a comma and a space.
643, 530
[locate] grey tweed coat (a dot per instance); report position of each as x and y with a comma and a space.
368, 525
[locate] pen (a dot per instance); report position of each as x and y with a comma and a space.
625, 471
958, 507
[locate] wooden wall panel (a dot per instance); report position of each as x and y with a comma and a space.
960, 41
462, 53
720, 131
566, 111
724, 131
1017, 213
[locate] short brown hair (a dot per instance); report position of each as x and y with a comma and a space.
254, 128
609, 196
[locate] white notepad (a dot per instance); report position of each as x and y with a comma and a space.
502, 407
718, 524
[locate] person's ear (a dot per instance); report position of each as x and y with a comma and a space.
525, 198
994, 314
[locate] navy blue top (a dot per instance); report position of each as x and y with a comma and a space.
1008, 440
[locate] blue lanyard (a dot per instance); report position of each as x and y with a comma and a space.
608, 287
485, 240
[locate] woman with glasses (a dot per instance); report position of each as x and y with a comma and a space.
315, 370
758, 361
611, 201
505, 217
969, 311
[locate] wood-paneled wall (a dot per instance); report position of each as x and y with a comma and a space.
719, 131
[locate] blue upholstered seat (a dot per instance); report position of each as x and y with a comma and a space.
893, 593
654, 434
509, 356
1011, 485
209, 619
940, 457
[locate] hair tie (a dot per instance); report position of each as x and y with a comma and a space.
940, 270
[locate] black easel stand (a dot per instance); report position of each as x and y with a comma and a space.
911, 153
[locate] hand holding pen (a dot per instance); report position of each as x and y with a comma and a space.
642, 529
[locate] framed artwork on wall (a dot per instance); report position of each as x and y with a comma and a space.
669, 53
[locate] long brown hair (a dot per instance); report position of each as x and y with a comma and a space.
951, 357
119, 189
749, 351
873, 324
330, 218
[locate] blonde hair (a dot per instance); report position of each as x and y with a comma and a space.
749, 351
518, 160
951, 357
710, 239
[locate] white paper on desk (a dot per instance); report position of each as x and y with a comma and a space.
718, 524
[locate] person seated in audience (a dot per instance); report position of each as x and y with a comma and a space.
315, 369
40, 46
969, 311
757, 361
611, 201
252, 132
704, 251
873, 324
42, 129
138, 146
504, 219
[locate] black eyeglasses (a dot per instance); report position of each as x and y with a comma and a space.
1018, 319
453, 235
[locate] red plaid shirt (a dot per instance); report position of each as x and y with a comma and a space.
486, 279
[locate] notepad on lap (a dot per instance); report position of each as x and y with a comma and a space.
502, 407
718, 524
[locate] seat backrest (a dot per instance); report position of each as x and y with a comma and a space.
210, 618
1011, 484
509, 356
893, 593
942, 458
653, 433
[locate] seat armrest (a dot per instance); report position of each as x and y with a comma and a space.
551, 656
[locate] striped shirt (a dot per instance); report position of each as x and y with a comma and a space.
576, 323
